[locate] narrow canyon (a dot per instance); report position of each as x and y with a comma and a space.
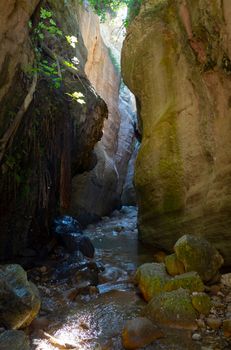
115, 174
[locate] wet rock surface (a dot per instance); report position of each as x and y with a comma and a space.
14, 340
68, 232
19, 298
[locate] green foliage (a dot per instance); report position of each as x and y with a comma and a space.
46, 25
46, 28
72, 40
51, 71
77, 96
102, 7
133, 10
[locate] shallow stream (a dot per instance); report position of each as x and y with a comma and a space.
94, 320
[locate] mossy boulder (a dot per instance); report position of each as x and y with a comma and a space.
139, 332
201, 302
173, 309
189, 280
19, 298
14, 340
151, 279
197, 254
173, 265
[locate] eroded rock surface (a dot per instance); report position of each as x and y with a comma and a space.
176, 60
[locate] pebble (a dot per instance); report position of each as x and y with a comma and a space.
213, 323
227, 328
196, 336
43, 269
215, 289
201, 323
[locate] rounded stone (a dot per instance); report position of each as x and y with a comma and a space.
197, 254
173, 309
214, 323
20, 301
227, 327
139, 332
196, 336
14, 340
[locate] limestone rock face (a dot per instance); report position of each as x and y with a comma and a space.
15, 49
19, 301
176, 60
129, 193
97, 192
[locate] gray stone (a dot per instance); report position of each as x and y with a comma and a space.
14, 340
19, 298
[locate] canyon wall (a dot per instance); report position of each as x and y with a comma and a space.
98, 192
176, 60
47, 136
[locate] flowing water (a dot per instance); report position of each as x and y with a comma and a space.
94, 320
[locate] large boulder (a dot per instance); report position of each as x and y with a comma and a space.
197, 254
19, 298
173, 309
152, 279
14, 340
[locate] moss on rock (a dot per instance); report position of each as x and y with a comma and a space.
197, 254
153, 279
201, 302
174, 309
173, 265
190, 281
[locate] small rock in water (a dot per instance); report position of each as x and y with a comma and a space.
196, 336
139, 332
66, 224
39, 323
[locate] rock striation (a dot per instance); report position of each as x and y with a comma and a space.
176, 60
